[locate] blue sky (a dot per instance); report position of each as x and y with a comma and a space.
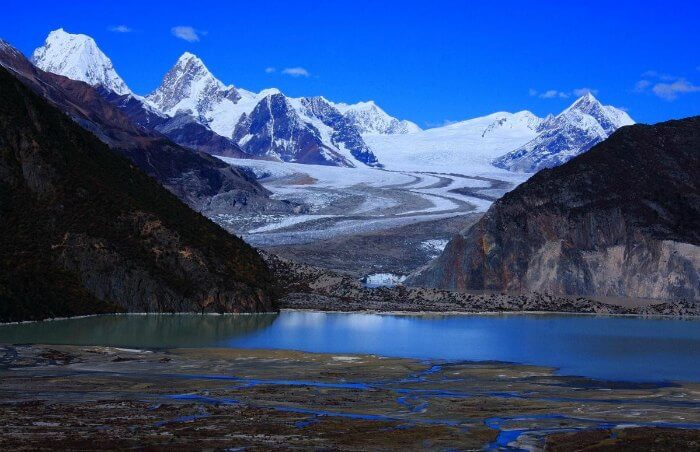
431, 62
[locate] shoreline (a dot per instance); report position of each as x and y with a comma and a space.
365, 311
495, 313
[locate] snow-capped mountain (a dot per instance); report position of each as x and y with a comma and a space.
77, 57
266, 124
189, 87
303, 130
194, 108
368, 118
466, 146
575, 130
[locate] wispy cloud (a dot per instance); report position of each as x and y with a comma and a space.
556, 94
548, 94
120, 29
665, 86
187, 33
583, 91
270, 70
670, 91
642, 85
295, 72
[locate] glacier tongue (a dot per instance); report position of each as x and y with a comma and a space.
77, 57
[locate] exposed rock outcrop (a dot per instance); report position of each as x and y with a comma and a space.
622, 220
82, 230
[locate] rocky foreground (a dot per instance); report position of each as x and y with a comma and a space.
309, 287
78, 398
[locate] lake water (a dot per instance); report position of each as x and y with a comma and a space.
618, 348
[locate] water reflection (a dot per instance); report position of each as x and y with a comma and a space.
619, 348
139, 331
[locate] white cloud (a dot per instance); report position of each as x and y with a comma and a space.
665, 86
270, 70
556, 94
187, 33
296, 72
642, 85
552, 93
583, 91
670, 91
120, 29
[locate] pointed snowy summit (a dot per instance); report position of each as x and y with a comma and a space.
369, 118
575, 130
77, 57
189, 87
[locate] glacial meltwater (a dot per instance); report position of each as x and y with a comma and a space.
614, 348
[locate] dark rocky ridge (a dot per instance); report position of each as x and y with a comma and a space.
182, 129
83, 231
622, 219
202, 181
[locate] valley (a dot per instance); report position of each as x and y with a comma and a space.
363, 221
214, 236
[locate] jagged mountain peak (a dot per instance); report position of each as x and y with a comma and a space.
609, 117
190, 87
370, 119
585, 123
190, 62
77, 56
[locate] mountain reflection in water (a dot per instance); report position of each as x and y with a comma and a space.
139, 331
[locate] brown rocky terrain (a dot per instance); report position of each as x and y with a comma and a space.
90, 397
308, 287
620, 220
85, 231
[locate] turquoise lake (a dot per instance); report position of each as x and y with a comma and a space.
601, 347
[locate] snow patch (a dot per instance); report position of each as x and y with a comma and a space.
383, 280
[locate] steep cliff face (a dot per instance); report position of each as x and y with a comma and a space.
82, 230
622, 219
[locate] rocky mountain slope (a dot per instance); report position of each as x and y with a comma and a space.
575, 130
84, 231
202, 181
622, 219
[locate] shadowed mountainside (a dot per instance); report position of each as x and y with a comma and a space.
202, 181
84, 231
622, 219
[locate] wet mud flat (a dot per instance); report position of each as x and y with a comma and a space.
69, 397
